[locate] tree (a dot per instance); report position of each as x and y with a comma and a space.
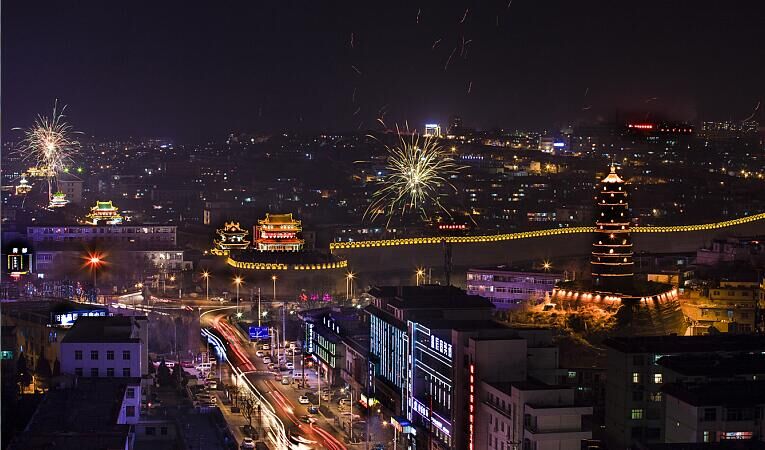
163, 374
56, 368
23, 374
177, 377
247, 405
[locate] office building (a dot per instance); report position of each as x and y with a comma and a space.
508, 287
714, 412
106, 347
530, 415
634, 412
432, 346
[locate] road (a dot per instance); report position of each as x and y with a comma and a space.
281, 399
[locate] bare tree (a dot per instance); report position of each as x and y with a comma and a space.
248, 405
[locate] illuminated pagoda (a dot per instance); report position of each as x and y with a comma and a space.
58, 200
230, 237
611, 261
23, 187
278, 233
104, 213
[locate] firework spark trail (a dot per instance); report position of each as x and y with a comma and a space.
470, 87
446, 66
417, 169
49, 144
467, 11
356, 69
358, 110
418, 15
351, 40
353, 96
756, 108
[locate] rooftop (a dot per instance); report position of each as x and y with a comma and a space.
687, 344
102, 329
79, 418
429, 296
516, 269
279, 218
612, 177
727, 393
714, 364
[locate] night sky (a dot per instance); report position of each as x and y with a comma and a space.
197, 70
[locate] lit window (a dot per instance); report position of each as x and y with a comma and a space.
658, 378
637, 414
636, 377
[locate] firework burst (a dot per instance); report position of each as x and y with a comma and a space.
418, 170
50, 145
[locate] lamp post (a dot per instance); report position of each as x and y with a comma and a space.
237, 281
94, 260
420, 273
206, 276
259, 313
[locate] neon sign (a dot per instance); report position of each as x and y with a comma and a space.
441, 346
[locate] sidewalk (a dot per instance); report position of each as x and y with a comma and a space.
235, 421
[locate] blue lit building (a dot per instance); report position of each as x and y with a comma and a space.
431, 346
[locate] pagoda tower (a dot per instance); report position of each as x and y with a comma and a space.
611, 263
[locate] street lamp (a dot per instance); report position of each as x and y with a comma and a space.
94, 260
546, 265
273, 278
420, 273
237, 281
206, 276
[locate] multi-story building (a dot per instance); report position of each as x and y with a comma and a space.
729, 307
530, 415
103, 234
508, 287
714, 412
433, 345
634, 412
91, 413
106, 347
330, 335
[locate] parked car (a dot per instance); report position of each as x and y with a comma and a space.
285, 380
266, 360
265, 347
247, 444
260, 354
272, 366
303, 400
289, 366
212, 384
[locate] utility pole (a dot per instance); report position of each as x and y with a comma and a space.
259, 313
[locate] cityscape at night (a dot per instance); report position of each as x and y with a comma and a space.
455, 225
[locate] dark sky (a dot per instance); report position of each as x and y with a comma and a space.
192, 70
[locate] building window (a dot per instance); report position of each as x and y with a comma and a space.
658, 378
637, 360
637, 396
126, 371
125, 354
637, 414
571, 374
110, 371
655, 396
94, 372
110, 355
736, 435
78, 355
707, 437
163, 431
78, 371
130, 392
130, 412
636, 377
151, 431
94, 354
710, 414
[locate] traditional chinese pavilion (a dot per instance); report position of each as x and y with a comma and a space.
58, 200
23, 187
104, 213
231, 237
278, 233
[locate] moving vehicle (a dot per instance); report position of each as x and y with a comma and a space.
247, 443
202, 367
303, 400
307, 419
